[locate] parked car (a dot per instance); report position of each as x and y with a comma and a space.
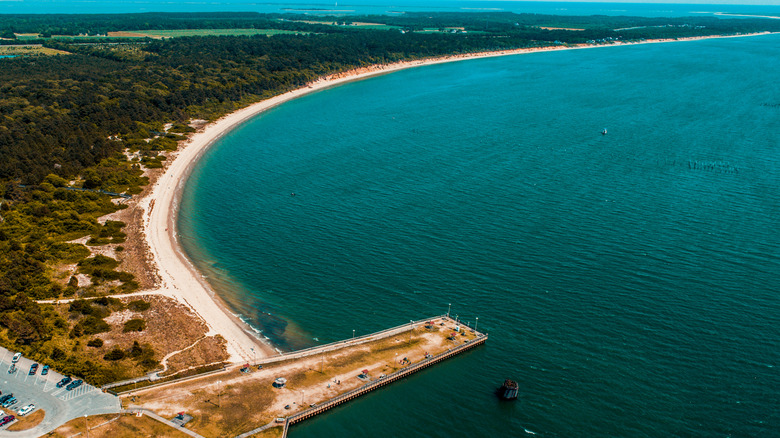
45, 370
74, 384
33, 369
26, 410
9, 402
12, 368
7, 419
16, 357
6, 397
63, 382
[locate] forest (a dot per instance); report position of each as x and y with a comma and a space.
94, 119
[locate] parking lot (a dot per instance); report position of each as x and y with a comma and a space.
59, 404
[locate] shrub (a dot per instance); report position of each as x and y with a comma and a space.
86, 308
99, 262
115, 354
97, 343
134, 325
149, 363
139, 305
91, 325
110, 301
57, 354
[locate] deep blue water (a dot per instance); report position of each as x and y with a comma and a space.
629, 282
360, 7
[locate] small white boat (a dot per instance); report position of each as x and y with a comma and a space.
604, 132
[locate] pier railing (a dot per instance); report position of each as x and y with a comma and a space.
352, 341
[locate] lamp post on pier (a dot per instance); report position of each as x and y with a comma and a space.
353, 334
475, 324
449, 306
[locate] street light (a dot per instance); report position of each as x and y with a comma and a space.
475, 324
353, 334
449, 305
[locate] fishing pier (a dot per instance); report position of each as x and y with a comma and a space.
299, 385
383, 381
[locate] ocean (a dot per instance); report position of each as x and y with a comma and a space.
628, 281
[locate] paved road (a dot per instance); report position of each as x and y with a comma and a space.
60, 405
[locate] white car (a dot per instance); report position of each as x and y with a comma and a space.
16, 357
26, 410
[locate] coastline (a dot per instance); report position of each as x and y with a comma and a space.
179, 279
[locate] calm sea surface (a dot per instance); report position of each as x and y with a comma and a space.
629, 282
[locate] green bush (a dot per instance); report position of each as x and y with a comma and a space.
85, 307
99, 262
57, 354
149, 363
139, 305
115, 354
112, 302
91, 325
111, 232
97, 343
134, 325
144, 355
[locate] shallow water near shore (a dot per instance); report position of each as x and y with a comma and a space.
628, 281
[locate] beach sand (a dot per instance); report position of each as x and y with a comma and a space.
178, 277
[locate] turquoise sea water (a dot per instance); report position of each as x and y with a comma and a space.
629, 282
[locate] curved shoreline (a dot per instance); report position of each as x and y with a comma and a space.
179, 279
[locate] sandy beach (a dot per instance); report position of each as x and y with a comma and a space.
178, 277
